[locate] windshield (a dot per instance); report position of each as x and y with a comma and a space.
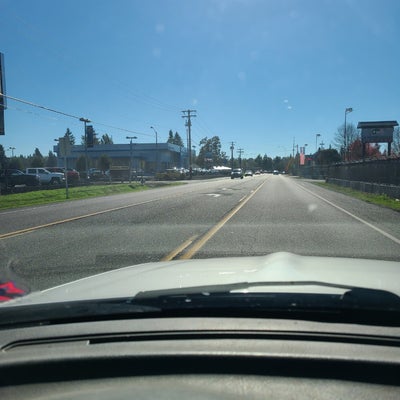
258, 138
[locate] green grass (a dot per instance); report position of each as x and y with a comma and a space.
378, 199
17, 200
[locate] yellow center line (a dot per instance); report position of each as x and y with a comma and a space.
179, 249
204, 239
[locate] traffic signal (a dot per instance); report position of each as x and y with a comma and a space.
89, 136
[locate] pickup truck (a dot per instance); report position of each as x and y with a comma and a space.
46, 177
10, 178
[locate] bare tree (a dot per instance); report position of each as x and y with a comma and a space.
343, 138
396, 141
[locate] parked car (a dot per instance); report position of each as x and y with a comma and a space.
14, 177
96, 174
237, 173
47, 177
72, 174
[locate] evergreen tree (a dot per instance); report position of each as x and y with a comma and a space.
170, 137
106, 139
3, 158
178, 140
37, 159
68, 134
51, 160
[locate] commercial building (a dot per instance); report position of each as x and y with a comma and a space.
149, 157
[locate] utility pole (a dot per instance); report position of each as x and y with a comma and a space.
294, 145
240, 151
86, 121
232, 148
188, 114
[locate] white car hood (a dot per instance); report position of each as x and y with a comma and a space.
277, 267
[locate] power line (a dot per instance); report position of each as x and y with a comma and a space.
70, 115
38, 106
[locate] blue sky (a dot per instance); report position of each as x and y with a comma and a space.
259, 73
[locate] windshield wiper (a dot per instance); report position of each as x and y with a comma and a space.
74, 311
353, 294
354, 304
351, 304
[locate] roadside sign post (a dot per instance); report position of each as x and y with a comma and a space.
65, 149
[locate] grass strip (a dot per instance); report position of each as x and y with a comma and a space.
37, 197
378, 199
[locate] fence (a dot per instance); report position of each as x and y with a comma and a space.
371, 176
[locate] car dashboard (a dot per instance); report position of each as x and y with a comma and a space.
200, 358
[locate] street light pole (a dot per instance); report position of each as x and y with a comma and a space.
316, 141
85, 121
12, 151
156, 147
131, 152
346, 111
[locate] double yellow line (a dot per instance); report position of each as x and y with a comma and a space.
194, 246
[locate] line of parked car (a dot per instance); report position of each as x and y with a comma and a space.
33, 177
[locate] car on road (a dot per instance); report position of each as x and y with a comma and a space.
248, 173
237, 173
275, 172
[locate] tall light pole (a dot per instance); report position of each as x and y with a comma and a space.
85, 121
156, 147
346, 144
316, 141
131, 161
12, 151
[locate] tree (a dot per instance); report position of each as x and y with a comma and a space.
258, 162
267, 163
3, 158
278, 163
371, 150
175, 138
170, 137
37, 159
51, 160
16, 163
96, 141
210, 152
81, 163
339, 139
178, 140
68, 134
396, 141
328, 156
106, 139
104, 162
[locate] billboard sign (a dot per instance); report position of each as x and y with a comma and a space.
377, 131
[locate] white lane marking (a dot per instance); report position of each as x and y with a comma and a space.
363, 221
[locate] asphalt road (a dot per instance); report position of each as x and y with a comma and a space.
53, 244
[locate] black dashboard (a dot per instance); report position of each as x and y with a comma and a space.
200, 358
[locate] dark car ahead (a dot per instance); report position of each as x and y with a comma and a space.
237, 173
